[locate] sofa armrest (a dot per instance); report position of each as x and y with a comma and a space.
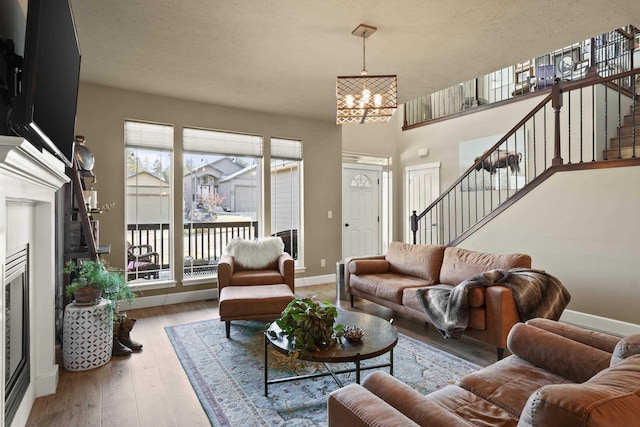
591, 338
225, 271
349, 260
502, 314
555, 353
368, 266
286, 266
356, 406
409, 402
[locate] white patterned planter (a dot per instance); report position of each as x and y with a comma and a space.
87, 336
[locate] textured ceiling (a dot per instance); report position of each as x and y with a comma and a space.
283, 56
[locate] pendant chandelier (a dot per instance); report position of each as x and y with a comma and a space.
364, 98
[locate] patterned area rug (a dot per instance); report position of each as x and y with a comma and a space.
228, 375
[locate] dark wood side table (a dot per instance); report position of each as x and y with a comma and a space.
380, 337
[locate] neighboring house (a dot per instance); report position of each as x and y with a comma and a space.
148, 199
238, 190
203, 182
285, 182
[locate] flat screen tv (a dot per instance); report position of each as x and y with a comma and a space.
44, 112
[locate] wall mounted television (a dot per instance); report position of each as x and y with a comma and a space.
44, 111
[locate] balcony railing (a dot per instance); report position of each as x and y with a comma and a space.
203, 243
608, 54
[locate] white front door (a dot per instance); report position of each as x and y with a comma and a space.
360, 210
423, 187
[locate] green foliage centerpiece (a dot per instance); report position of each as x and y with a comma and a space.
309, 326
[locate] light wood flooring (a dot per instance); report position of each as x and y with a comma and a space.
150, 388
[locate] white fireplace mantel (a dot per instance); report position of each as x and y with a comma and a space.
29, 180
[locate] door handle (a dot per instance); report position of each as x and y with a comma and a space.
346, 225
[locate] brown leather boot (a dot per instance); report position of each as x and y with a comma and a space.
126, 325
118, 348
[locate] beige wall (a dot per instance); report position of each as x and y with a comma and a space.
582, 227
101, 114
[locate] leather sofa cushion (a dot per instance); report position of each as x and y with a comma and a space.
248, 301
256, 277
508, 383
477, 318
471, 407
388, 286
610, 398
461, 264
422, 261
575, 361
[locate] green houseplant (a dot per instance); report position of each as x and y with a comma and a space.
89, 280
309, 325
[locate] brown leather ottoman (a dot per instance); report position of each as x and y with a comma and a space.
253, 302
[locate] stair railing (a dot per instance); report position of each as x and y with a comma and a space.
591, 120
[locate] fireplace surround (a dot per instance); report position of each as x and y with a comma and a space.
17, 372
29, 180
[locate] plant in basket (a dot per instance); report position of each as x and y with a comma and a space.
309, 325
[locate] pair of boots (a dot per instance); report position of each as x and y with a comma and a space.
122, 343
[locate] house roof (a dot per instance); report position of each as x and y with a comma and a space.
283, 56
146, 179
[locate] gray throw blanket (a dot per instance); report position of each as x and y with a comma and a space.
537, 294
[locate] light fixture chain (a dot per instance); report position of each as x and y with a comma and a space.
364, 63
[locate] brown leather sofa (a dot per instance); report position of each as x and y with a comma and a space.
558, 375
393, 279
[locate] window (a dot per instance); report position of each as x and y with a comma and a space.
286, 194
148, 150
221, 195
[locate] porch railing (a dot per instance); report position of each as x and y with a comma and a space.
203, 243
590, 120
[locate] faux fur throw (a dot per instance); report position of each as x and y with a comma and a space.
536, 293
255, 254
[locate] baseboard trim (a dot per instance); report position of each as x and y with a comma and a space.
315, 280
598, 323
47, 384
168, 299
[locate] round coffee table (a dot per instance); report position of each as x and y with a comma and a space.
380, 336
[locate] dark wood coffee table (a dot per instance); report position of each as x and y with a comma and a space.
380, 336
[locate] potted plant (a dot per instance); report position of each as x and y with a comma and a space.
90, 280
309, 325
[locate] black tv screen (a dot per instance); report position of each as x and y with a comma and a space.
44, 112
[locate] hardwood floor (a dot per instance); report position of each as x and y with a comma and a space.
150, 388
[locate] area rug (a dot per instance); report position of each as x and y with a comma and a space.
228, 374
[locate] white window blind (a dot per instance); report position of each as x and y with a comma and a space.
286, 149
148, 135
209, 141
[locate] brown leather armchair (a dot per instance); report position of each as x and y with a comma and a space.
246, 294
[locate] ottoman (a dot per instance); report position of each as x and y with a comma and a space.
253, 302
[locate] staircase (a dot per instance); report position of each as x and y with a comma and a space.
625, 145
579, 138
